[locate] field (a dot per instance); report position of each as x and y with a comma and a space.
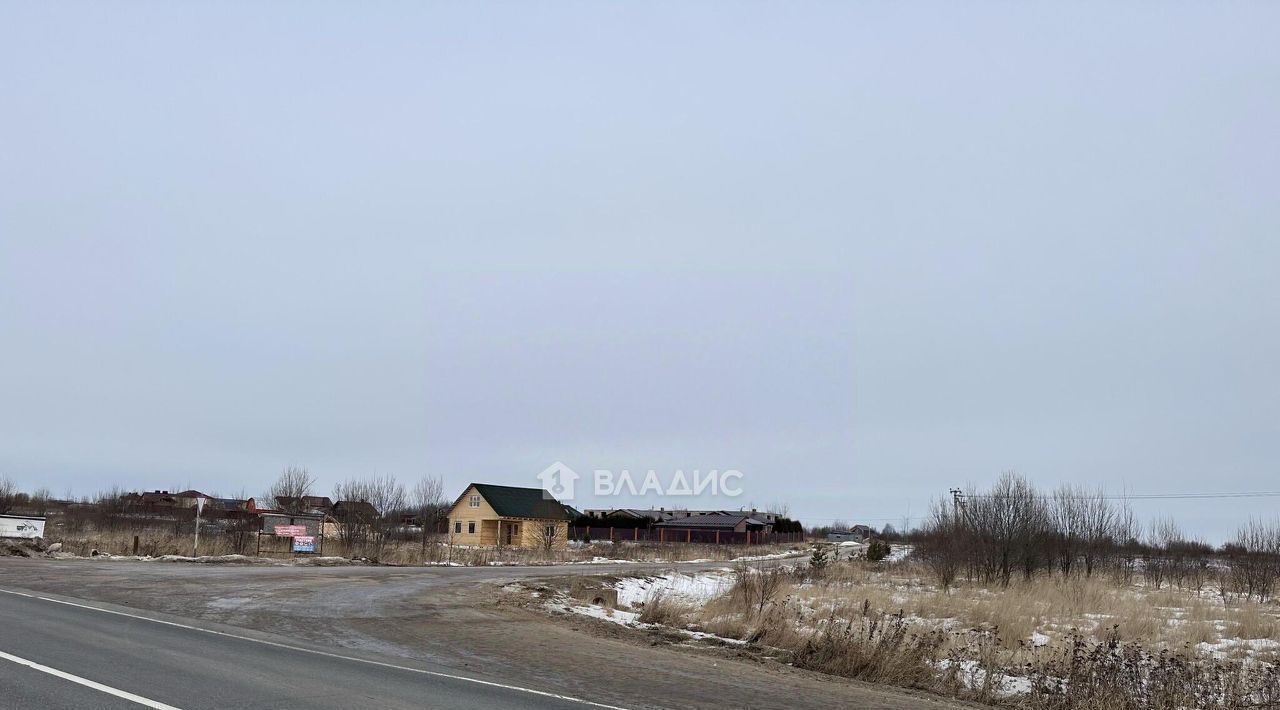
1098, 642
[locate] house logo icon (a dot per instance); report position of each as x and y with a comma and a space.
557, 481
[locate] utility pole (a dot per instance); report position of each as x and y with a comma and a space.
196, 544
956, 494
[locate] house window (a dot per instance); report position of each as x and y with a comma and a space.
457, 527
550, 532
474, 502
471, 527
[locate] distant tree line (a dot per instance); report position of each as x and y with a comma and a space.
1013, 531
12, 499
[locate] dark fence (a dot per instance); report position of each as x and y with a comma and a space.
268, 545
686, 535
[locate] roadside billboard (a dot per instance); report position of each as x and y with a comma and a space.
21, 526
291, 524
304, 543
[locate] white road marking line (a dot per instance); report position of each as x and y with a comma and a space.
86, 682
436, 674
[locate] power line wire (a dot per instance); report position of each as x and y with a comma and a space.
1143, 496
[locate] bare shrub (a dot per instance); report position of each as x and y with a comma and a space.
1110, 675
754, 588
660, 609
874, 647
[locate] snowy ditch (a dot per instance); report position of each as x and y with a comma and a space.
634, 592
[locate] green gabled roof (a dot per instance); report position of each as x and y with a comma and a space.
515, 502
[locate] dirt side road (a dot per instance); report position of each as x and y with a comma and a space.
456, 618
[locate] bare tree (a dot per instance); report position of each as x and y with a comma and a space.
1066, 515
1097, 520
1124, 535
1159, 564
550, 533
111, 509
40, 500
8, 494
287, 493
942, 544
430, 505
363, 529
1008, 528
1256, 562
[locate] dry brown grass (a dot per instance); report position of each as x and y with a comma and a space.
1044, 606
151, 543
1108, 644
158, 541
874, 647
659, 609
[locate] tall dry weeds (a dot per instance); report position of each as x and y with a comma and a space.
874, 647
1109, 645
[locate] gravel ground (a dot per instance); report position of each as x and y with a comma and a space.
458, 617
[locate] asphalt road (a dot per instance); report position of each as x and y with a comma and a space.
60, 654
305, 637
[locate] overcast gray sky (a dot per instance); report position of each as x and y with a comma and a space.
861, 252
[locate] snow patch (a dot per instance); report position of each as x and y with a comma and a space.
631, 619
694, 588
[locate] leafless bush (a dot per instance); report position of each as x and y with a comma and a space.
754, 588
1109, 675
368, 531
